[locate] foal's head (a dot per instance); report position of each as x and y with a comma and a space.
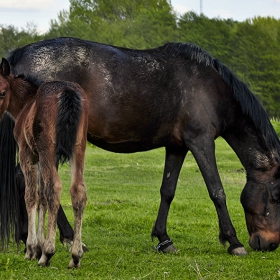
13, 90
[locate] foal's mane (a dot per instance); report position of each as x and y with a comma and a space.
31, 79
30, 83
250, 105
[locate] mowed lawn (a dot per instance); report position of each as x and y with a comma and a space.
123, 199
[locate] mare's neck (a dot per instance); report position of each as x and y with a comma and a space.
256, 154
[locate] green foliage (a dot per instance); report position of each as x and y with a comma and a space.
124, 23
11, 37
123, 200
276, 125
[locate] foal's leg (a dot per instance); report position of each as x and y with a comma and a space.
65, 229
173, 163
41, 216
53, 189
79, 198
31, 200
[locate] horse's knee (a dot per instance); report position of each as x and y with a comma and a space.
167, 195
78, 196
218, 197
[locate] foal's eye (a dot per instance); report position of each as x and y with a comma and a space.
2, 94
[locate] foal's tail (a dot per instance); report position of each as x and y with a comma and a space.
68, 119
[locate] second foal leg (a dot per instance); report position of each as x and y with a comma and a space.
79, 198
53, 189
41, 216
31, 201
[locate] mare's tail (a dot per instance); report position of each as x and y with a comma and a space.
9, 197
68, 119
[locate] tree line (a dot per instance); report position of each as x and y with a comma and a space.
250, 48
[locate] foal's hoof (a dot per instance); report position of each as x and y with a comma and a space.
74, 262
44, 264
31, 254
166, 247
239, 251
45, 259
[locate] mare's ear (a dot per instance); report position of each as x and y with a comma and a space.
5, 67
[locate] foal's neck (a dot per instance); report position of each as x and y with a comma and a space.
22, 92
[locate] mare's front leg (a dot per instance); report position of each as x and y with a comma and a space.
173, 163
203, 149
79, 198
31, 200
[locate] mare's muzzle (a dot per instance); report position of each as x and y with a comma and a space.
259, 243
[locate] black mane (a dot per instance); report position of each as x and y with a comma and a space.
15, 55
249, 103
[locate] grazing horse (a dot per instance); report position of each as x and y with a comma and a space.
175, 96
50, 127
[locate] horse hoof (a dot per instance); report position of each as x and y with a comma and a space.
74, 263
166, 247
239, 251
43, 263
28, 256
170, 249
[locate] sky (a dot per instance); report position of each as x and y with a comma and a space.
39, 12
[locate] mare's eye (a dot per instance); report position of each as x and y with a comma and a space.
275, 196
275, 200
2, 94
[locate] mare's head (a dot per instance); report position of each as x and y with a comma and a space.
261, 202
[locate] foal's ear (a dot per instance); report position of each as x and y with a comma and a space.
5, 67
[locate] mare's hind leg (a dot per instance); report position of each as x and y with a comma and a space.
173, 162
204, 152
31, 200
79, 198
22, 232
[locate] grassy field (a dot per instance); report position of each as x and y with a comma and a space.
123, 200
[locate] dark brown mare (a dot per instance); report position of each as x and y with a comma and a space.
50, 127
176, 96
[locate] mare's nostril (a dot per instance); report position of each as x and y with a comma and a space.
258, 241
272, 246
255, 242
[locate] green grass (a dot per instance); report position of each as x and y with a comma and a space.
123, 200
